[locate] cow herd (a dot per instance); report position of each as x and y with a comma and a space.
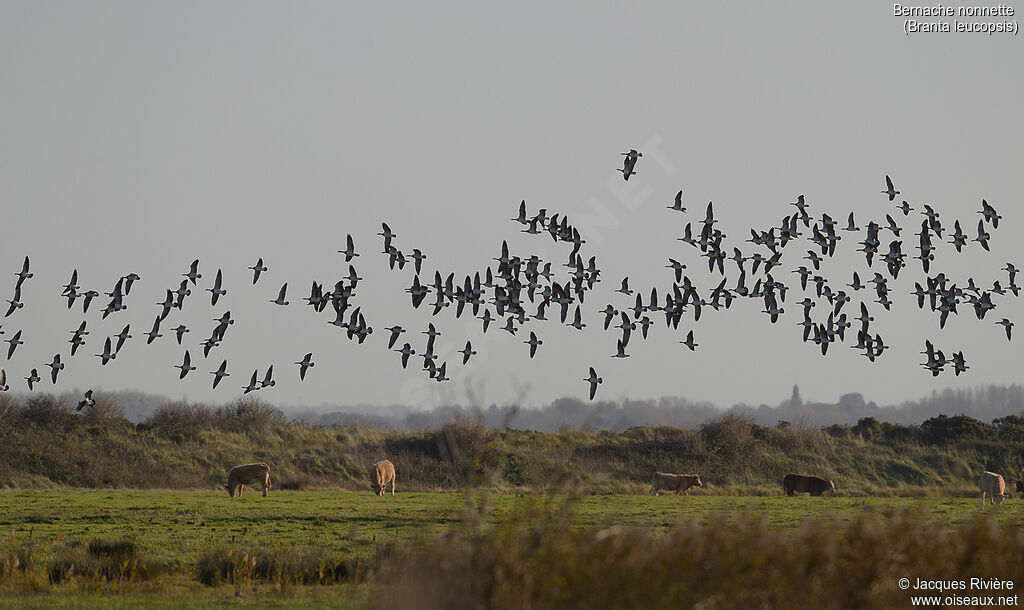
990, 484
791, 484
258, 475
383, 472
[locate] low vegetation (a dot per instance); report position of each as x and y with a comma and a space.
188, 446
539, 560
103, 561
442, 550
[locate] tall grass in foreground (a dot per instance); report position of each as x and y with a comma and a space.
237, 566
534, 552
537, 560
101, 565
103, 561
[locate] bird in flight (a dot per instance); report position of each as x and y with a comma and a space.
122, 337
56, 366
988, 212
280, 300
350, 249
467, 352
629, 163
154, 333
185, 366
217, 291
16, 303
24, 274
87, 401
534, 342
593, 380
193, 272
889, 189
32, 378
15, 341
678, 204
407, 351
305, 363
257, 269
220, 373
107, 354
253, 384
268, 378
1006, 324
983, 235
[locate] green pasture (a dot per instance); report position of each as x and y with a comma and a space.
176, 528
176, 525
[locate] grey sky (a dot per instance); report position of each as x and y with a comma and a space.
139, 136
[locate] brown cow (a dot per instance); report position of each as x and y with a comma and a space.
249, 474
793, 483
382, 473
674, 482
992, 484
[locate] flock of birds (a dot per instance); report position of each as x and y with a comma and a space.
523, 290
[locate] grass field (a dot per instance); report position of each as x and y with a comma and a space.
565, 523
173, 533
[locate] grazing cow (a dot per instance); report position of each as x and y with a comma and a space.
793, 483
249, 474
674, 482
382, 473
992, 484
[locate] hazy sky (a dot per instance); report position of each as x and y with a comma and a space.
137, 136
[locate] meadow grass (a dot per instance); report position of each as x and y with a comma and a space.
81, 522
275, 550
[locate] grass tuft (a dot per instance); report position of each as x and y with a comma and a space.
274, 566
103, 561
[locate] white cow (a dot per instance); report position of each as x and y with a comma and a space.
382, 473
992, 484
674, 482
249, 474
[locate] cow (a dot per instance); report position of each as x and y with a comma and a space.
1020, 486
793, 483
248, 474
674, 482
992, 484
382, 473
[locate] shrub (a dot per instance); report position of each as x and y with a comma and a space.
732, 434
180, 421
943, 428
249, 414
46, 410
800, 437
1010, 428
